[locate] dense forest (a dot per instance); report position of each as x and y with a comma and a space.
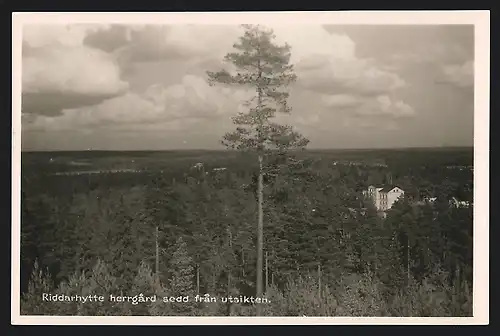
327, 251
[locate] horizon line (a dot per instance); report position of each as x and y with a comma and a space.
234, 150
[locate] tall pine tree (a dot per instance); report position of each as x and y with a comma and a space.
264, 66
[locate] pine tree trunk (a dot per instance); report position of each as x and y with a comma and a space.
243, 262
157, 258
260, 229
198, 279
229, 276
228, 291
267, 274
214, 280
319, 281
408, 260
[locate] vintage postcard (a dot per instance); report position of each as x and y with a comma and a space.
250, 168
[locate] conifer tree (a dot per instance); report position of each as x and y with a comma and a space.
181, 278
145, 283
265, 67
100, 282
32, 301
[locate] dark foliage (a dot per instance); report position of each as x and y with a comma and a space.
96, 233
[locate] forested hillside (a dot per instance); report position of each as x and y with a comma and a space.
327, 252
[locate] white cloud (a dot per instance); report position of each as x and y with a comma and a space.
384, 106
441, 53
150, 43
75, 70
324, 62
77, 67
460, 75
327, 63
341, 101
60, 72
382, 112
172, 107
308, 40
346, 76
46, 35
381, 107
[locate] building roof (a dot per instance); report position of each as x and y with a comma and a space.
388, 188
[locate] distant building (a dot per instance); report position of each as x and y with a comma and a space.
425, 200
460, 167
459, 204
219, 169
383, 197
379, 164
199, 165
430, 199
453, 202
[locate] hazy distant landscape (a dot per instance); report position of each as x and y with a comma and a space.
65, 161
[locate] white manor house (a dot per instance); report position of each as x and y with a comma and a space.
383, 197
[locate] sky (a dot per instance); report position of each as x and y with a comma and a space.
144, 87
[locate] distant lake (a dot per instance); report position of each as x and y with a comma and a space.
79, 163
104, 171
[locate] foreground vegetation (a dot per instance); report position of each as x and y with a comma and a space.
354, 296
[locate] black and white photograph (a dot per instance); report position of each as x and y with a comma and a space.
270, 165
